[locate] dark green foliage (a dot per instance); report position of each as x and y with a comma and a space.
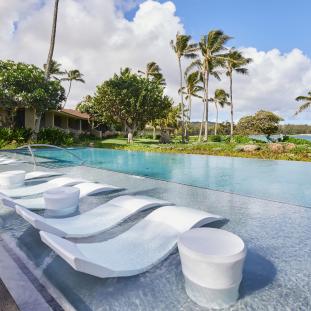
19, 135
55, 136
25, 86
215, 138
296, 141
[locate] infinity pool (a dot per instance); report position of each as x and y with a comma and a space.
282, 181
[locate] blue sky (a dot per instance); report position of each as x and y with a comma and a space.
264, 24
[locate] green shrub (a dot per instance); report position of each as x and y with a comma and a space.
55, 136
239, 139
215, 138
296, 141
19, 135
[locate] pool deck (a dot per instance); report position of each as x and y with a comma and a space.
277, 274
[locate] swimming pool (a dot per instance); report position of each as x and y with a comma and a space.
283, 181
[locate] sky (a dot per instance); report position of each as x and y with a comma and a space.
99, 37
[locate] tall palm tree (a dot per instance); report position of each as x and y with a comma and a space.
211, 47
72, 75
306, 104
153, 70
183, 48
48, 62
55, 69
220, 99
235, 62
192, 89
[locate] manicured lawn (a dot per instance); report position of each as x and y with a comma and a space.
301, 151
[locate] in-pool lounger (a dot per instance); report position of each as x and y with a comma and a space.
40, 188
134, 251
41, 174
10, 161
87, 188
94, 221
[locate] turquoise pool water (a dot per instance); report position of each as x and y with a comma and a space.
282, 181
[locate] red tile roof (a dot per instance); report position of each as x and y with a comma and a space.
76, 113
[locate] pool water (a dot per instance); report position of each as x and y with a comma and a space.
283, 181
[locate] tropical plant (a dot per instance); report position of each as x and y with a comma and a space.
263, 122
235, 62
25, 86
211, 47
153, 70
55, 136
220, 99
55, 69
129, 99
72, 75
183, 48
48, 64
306, 104
192, 89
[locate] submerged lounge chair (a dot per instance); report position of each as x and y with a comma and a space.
10, 161
134, 251
87, 188
41, 174
94, 221
40, 188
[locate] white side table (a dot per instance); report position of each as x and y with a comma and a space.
61, 201
12, 179
212, 263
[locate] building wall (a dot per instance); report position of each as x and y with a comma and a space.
29, 118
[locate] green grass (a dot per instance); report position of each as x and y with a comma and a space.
301, 152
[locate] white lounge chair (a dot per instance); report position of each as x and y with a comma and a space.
86, 189
41, 174
134, 251
40, 188
10, 161
94, 221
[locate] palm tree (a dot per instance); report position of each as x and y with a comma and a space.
191, 89
55, 69
183, 48
220, 99
235, 62
211, 46
306, 104
153, 70
48, 63
72, 75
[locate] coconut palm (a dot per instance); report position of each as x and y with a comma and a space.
220, 99
72, 75
306, 104
48, 63
183, 48
235, 62
55, 69
192, 89
211, 47
153, 70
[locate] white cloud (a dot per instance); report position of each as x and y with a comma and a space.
95, 37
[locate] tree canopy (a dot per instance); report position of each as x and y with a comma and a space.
128, 99
263, 122
25, 86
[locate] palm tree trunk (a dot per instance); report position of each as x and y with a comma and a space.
154, 132
182, 102
48, 63
201, 127
216, 123
69, 89
206, 77
231, 107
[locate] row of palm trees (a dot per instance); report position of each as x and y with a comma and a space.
57, 73
209, 57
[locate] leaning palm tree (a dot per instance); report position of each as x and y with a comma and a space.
153, 70
211, 47
72, 75
55, 69
220, 99
306, 104
192, 89
48, 64
183, 48
235, 62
